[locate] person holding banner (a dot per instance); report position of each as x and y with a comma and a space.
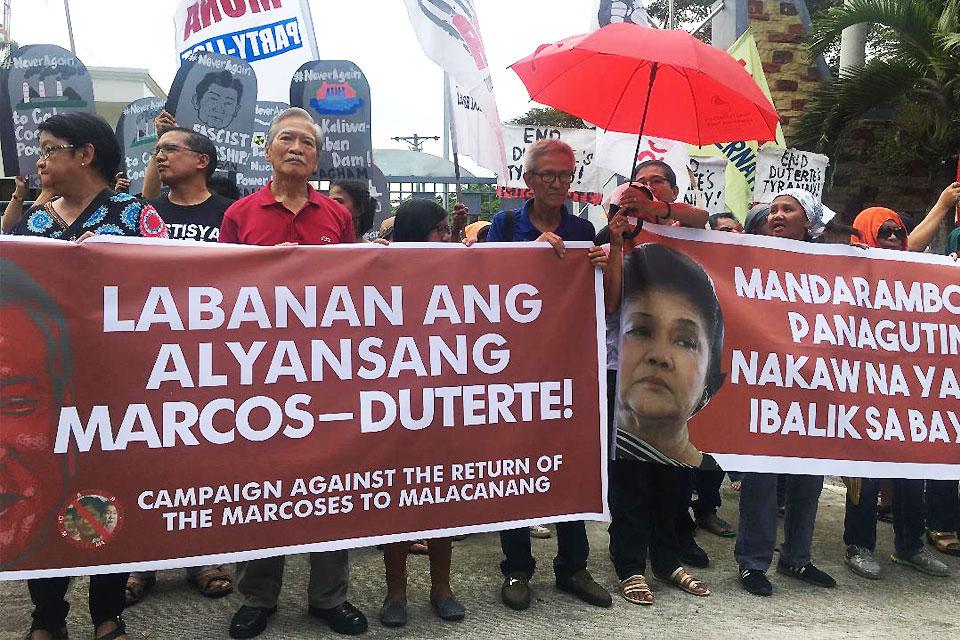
548, 171
419, 221
923, 233
794, 214
78, 159
882, 228
725, 221
288, 211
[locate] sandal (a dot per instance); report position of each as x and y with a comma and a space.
119, 632
686, 582
204, 582
137, 588
944, 541
419, 548
635, 590
59, 634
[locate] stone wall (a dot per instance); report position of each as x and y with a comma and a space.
853, 182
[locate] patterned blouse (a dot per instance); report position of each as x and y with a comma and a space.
110, 213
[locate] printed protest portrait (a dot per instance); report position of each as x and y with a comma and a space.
671, 341
36, 377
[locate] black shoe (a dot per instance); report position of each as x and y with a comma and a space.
755, 581
249, 622
343, 618
515, 591
808, 573
582, 585
693, 555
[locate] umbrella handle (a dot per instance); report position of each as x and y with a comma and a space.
643, 119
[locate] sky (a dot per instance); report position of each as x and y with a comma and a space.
406, 87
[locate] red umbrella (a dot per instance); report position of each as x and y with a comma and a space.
664, 83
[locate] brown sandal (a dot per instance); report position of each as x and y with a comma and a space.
204, 582
137, 588
635, 590
686, 582
944, 541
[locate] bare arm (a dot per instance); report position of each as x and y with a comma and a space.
613, 272
921, 236
14, 210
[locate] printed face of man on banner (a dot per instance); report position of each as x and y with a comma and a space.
217, 100
670, 347
34, 377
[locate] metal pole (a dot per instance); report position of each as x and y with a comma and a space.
672, 15
446, 134
66, 8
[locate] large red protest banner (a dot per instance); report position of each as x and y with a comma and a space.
836, 359
169, 404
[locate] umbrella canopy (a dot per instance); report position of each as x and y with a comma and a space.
663, 83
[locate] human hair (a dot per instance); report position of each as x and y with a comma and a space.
224, 184
715, 218
542, 148
201, 144
415, 219
655, 266
293, 112
668, 171
80, 129
221, 78
359, 192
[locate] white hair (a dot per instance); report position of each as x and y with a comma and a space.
293, 112
543, 147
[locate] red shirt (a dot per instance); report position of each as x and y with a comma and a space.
260, 219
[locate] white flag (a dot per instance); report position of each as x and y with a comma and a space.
449, 33
274, 36
615, 152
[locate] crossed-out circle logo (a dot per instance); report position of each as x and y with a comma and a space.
90, 519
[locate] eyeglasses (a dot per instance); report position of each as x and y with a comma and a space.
167, 149
443, 228
45, 153
653, 181
549, 177
888, 232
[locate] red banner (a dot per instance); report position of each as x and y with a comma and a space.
169, 404
835, 359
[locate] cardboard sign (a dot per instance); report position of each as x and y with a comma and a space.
137, 135
214, 95
709, 175
39, 81
518, 138
259, 171
337, 95
779, 169
341, 412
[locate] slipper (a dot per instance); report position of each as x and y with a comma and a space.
137, 588
686, 582
205, 580
419, 548
716, 525
635, 590
944, 541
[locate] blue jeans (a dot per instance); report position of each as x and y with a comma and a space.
860, 520
757, 532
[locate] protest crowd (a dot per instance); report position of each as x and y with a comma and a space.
661, 489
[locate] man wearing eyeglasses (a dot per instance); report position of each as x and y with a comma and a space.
548, 171
184, 160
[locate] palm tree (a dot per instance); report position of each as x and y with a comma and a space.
914, 70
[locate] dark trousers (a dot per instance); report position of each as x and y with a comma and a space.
860, 520
707, 485
572, 550
943, 505
645, 499
50, 607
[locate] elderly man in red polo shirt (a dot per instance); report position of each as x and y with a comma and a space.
289, 211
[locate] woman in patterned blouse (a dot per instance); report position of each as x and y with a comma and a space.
78, 158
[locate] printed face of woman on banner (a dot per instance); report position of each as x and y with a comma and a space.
671, 335
32, 479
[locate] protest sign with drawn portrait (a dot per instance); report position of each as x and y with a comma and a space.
671, 343
215, 95
259, 171
38, 81
137, 135
337, 95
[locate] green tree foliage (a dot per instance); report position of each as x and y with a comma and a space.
913, 76
549, 117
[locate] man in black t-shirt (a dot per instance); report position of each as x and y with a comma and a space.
184, 161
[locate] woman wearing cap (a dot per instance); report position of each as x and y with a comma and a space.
794, 214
